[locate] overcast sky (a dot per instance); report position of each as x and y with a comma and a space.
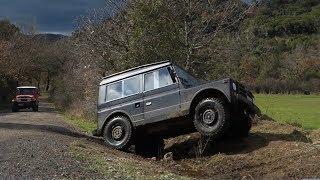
50, 16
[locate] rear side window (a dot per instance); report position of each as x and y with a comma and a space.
114, 91
102, 94
157, 79
120, 89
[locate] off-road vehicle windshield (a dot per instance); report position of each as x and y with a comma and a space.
26, 91
186, 78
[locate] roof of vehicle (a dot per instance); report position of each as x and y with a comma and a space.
134, 71
27, 87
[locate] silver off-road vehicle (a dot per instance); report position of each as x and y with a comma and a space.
143, 105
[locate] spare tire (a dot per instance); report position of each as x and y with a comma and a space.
212, 118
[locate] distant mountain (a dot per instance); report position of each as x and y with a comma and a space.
49, 37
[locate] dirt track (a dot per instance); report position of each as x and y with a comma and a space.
38, 145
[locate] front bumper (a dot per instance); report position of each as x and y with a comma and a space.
24, 104
243, 99
251, 107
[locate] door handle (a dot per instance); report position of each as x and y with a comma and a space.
148, 103
137, 105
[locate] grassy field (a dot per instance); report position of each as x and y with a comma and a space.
293, 109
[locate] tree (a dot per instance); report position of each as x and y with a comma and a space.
7, 30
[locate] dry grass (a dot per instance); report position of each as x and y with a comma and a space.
272, 150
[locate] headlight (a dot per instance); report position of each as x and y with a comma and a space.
234, 86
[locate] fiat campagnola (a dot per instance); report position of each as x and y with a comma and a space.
146, 104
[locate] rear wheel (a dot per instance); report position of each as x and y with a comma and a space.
118, 133
212, 117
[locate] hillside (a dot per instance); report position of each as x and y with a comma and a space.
49, 37
282, 40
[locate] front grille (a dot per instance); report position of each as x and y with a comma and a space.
24, 99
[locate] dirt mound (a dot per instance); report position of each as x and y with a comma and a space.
271, 150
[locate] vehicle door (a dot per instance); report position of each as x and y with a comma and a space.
161, 95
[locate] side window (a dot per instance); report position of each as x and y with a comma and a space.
132, 85
157, 79
149, 81
114, 91
120, 89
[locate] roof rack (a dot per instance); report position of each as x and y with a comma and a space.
138, 67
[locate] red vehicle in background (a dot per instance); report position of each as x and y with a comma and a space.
27, 97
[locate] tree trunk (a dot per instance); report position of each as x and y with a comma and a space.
48, 82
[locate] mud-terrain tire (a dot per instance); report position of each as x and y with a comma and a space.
212, 118
118, 133
35, 108
14, 108
150, 147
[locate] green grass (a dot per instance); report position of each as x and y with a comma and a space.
292, 109
86, 125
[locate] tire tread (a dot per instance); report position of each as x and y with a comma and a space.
226, 116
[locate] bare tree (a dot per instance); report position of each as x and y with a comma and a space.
203, 20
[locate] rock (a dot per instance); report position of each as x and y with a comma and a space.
168, 156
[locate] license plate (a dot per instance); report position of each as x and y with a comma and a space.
20, 104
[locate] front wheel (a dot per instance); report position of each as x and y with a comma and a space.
212, 117
118, 133
15, 108
35, 108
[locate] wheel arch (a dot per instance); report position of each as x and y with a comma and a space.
115, 114
207, 93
